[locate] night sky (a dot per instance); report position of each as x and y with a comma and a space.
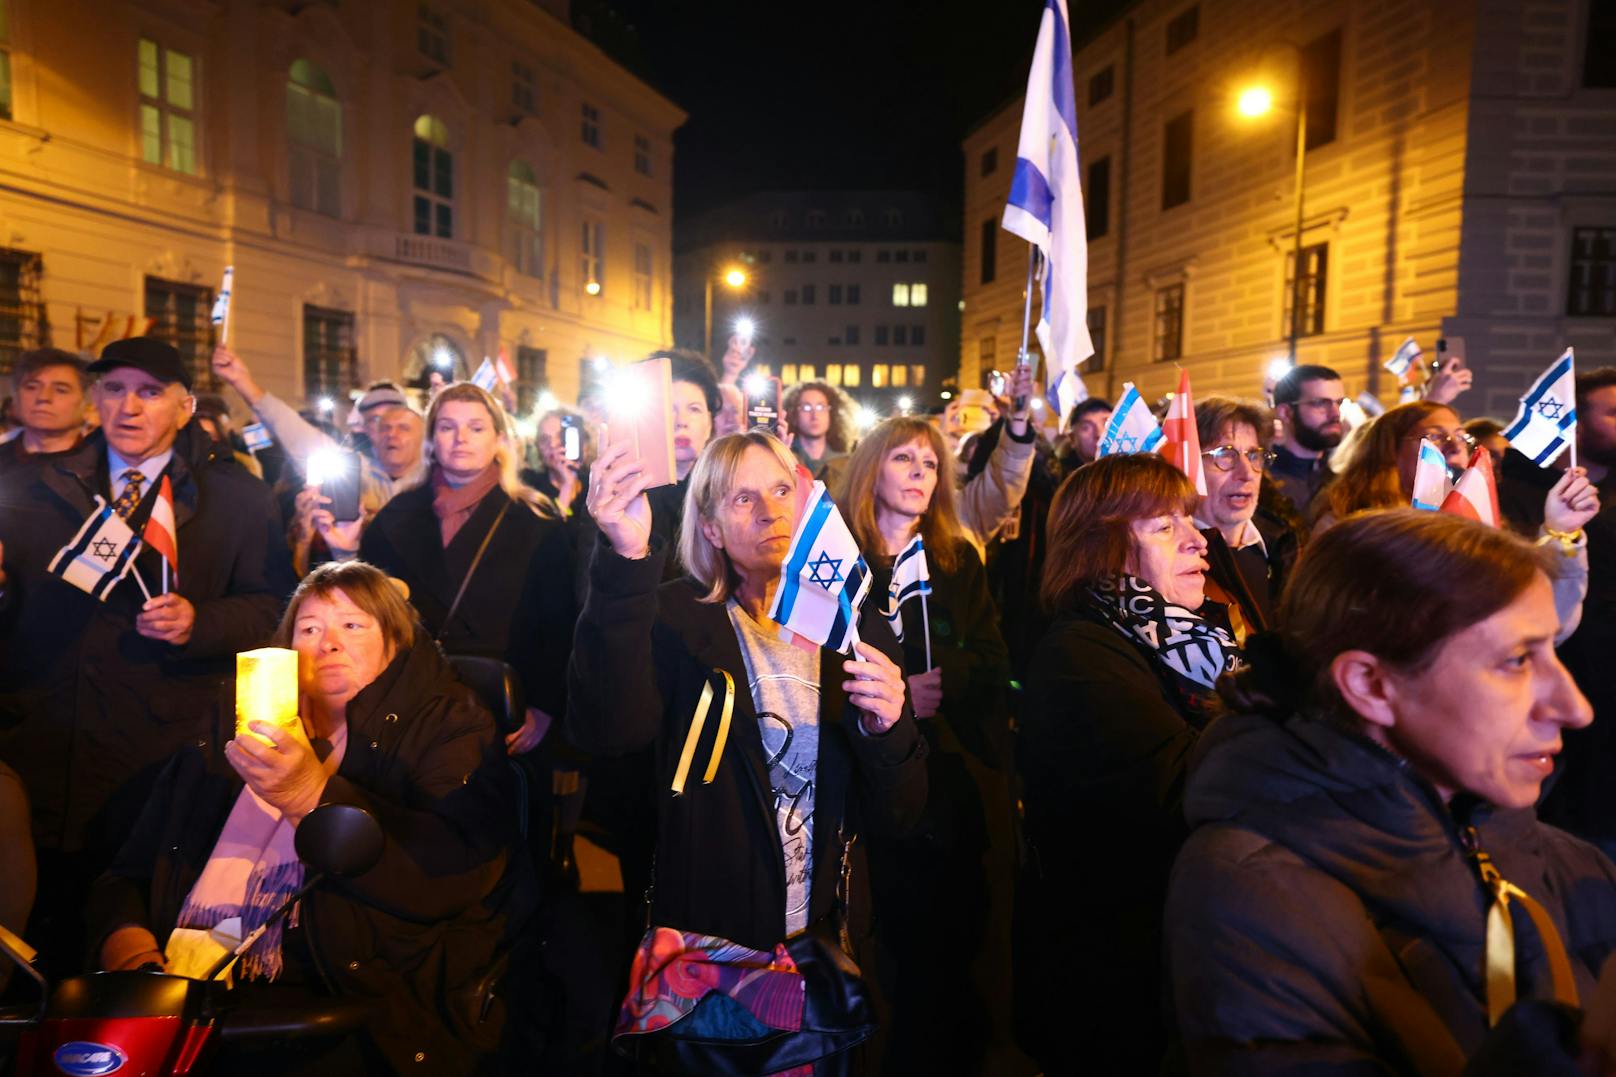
832, 93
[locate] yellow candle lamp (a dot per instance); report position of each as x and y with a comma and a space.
266, 688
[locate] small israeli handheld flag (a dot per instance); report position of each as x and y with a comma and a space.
910, 577
1132, 427
221, 305
257, 436
100, 554
486, 378
1547, 420
824, 579
1403, 360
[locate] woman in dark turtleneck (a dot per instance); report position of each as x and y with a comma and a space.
518, 605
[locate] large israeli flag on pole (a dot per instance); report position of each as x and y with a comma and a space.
1046, 203
824, 579
1546, 422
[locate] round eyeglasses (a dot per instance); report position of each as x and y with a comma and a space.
1224, 456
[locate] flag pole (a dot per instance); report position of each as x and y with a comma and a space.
134, 570
925, 628
1022, 358
165, 575
1579, 418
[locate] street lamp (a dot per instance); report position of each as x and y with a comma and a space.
1257, 101
734, 278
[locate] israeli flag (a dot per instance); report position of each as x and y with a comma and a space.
1547, 419
824, 579
1046, 203
910, 577
486, 377
1132, 427
257, 436
1432, 480
1401, 362
221, 306
100, 554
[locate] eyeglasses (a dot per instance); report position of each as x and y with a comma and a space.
1322, 403
1458, 441
809, 409
1224, 456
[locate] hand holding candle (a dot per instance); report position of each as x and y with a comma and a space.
266, 689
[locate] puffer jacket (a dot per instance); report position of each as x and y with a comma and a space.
1326, 915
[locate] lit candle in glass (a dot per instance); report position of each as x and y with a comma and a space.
266, 687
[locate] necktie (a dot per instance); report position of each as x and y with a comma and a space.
131, 493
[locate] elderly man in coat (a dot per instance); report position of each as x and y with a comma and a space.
96, 694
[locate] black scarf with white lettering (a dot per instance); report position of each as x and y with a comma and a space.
1191, 653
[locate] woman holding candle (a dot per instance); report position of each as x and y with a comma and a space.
382, 725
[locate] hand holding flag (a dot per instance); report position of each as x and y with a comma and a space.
221, 305
1431, 479
160, 532
823, 580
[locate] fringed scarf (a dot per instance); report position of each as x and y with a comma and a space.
253, 869
1190, 652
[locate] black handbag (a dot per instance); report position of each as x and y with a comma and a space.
837, 1012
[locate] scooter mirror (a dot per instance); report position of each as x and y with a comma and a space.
340, 840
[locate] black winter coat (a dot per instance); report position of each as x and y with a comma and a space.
641, 656
421, 927
1325, 918
1103, 750
95, 707
519, 605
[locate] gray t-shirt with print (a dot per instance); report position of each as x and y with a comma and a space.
784, 680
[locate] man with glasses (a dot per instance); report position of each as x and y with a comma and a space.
1308, 403
1250, 550
818, 424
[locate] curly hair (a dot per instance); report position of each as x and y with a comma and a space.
840, 435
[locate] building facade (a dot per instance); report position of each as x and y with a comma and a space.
1459, 182
860, 289
395, 182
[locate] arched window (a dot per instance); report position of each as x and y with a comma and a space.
314, 131
524, 219
434, 179
437, 353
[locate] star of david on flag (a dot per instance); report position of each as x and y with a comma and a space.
1547, 420
824, 579
1132, 427
100, 555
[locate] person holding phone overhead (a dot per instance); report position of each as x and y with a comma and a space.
565, 450
487, 560
942, 879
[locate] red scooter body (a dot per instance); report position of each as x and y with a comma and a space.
139, 1024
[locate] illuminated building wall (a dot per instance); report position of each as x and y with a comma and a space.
390, 179
1460, 181
857, 288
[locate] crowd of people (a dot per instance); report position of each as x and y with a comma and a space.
1278, 775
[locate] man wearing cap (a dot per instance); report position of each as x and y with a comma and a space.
95, 695
396, 431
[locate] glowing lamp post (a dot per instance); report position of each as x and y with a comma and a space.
1257, 101
266, 688
734, 278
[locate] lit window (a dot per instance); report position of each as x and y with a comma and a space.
900, 295
167, 107
805, 372
833, 374
788, 372
434, 179
593, 248
917, 375
850, 376
314, 131
899, 376
917, 295
878, 376
524, 219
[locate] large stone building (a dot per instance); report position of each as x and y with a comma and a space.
395, 181
859, 288
1459, 182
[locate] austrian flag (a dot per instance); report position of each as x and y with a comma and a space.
160, 532
1475, 495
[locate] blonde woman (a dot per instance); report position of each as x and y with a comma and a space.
472, 531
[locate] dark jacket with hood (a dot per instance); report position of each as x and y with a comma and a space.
641, 657
96, 707
519, 605
418, 930
1325, 916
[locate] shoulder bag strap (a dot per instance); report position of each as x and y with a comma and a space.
475, 561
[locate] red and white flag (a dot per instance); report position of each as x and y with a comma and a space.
1475, 495
160, 533
503, 365
1182, 444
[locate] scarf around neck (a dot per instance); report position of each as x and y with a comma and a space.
453, 505
1190, 652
